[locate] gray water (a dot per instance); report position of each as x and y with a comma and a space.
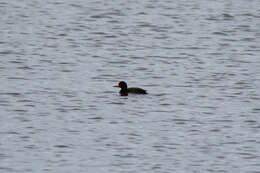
199, 61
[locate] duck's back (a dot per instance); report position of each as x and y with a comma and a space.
136, 90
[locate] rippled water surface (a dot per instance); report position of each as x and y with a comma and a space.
199, 61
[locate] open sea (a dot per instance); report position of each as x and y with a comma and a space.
199, 60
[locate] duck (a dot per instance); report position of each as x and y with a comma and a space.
125, 90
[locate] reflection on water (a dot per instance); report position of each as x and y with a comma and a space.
199, 62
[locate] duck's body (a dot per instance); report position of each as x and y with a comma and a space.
124, 90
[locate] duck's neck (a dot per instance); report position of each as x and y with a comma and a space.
124, 92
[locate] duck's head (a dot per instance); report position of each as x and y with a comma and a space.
121, 85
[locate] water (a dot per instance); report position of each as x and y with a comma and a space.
199, 61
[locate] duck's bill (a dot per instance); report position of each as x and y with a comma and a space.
117, 85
